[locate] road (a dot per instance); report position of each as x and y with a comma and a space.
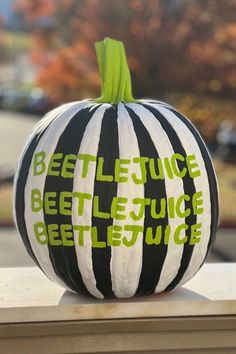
14, 131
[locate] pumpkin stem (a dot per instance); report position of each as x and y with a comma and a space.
114, 71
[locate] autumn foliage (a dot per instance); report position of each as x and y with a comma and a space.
176, 48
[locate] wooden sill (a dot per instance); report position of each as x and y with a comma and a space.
37, 316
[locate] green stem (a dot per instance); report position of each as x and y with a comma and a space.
114, 71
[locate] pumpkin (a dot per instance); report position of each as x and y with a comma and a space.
116, 197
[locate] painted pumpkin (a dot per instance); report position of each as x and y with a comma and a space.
116, 197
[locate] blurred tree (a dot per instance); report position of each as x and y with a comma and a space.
172, 45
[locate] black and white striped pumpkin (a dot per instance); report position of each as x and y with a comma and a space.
86, 262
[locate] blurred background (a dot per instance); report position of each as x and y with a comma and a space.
179, 51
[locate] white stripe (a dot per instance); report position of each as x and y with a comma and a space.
150, 101
201, 183
173, 189
89, 145
126, 262
44, 122
48, 144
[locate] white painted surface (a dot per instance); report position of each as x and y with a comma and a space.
126, 262
27, 295
86, 185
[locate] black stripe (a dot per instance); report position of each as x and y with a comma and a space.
189, 188
153, 256
108, 149
64, 258
20, 190
211, 179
